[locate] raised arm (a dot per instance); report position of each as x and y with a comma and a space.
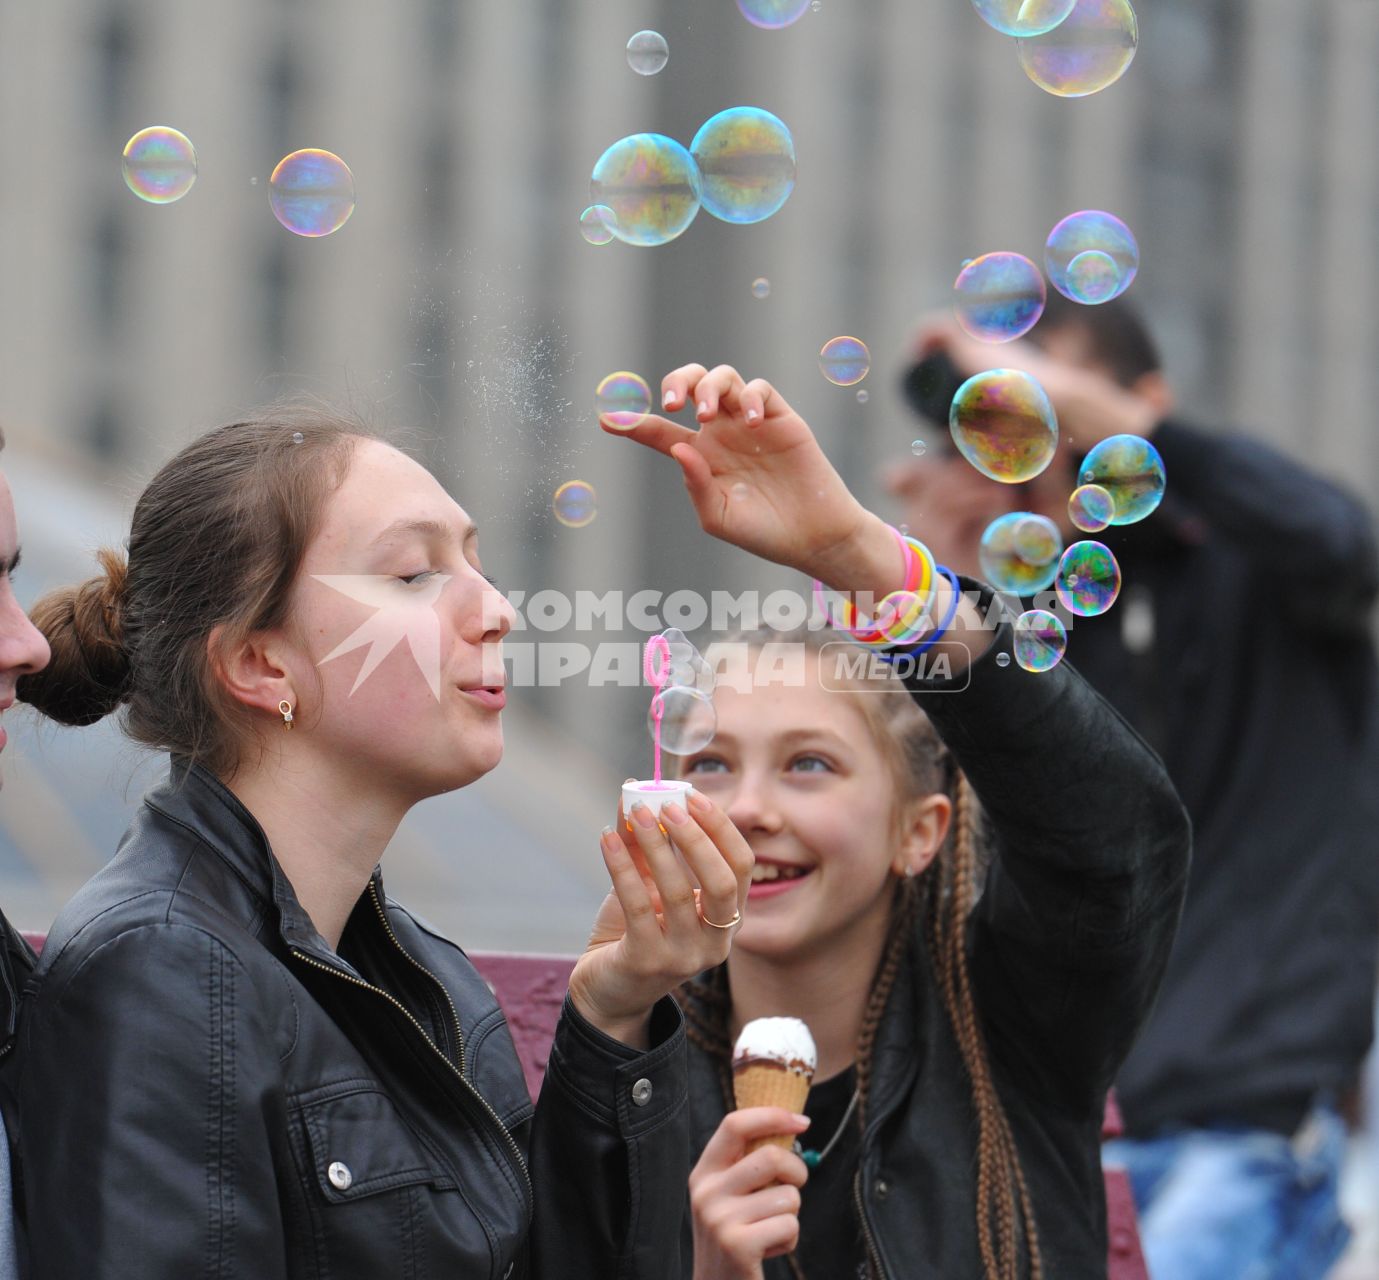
145, 1117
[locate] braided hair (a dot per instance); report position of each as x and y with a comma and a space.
939, 901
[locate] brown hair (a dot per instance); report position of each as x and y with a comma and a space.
216, 541
941, 898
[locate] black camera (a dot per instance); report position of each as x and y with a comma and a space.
930, 385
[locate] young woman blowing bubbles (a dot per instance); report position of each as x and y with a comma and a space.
965, 1046
240, 1057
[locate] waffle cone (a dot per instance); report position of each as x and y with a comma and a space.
766, 1084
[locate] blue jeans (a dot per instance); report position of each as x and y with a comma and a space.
1238, 1204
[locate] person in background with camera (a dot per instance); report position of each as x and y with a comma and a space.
1241, 649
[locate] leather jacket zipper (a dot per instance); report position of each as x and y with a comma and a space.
873, 1254
388, 928
459, 1075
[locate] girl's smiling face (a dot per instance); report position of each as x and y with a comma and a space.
802, 774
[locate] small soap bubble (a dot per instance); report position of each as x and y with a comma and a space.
1041, 640
312, 192
1090, 49
1037, 540
1130, 469
999, 296
159, 164
688, 719
863, 396
761, 287
772, 15
574, 504
1104, 251
647, 53
1003, 659
918, 448
1000, 552
1088, 580
298, 438
1093, 277
1024, 17
1003, 424
816, 5
596, 224
904, 529
623, 400
651, 183
1090, 508
746, 158
845, 361
254, 181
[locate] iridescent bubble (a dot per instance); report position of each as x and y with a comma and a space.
1003, 659
1130, 469
647, 53
863, 396
746, 157
917, 447
688, 720
772, 14
1090, 49
999, 296
1085, 238
623, 400
1090, 508
1037, 540
1041, 640
1003, 424
1004, 567
652, 185
1093, 277
312, 192
761, 287
159, 164
574, 504
845, 361
1088, 580
596, 224
1024, 17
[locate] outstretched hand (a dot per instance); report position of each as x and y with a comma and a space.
754, 471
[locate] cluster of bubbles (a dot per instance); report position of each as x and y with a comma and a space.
575, 504
740, 167
648, 53
684, 704
622, 400
1129, 470
1004, 425
845, 361
1019, 552
311, 192
1069, 48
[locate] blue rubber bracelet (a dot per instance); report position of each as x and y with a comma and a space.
930, 641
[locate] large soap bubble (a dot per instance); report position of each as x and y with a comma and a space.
1090, 49
623, 400
999, 296
1088, 579
1040, 640
1004, 425
1130, 469
652, 185
159, 164
687, 716
771, 15
1091, 256
1008, 557
1024, 17
746, 158
312, 192
575, 504
845, 361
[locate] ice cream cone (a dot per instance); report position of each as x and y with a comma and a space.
773, 1065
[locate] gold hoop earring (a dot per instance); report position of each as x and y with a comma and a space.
286, 708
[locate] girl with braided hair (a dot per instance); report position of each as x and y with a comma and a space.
973, 970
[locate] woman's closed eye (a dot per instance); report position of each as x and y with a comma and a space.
411, 579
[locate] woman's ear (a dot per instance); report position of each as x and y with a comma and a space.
251, 669
924, 826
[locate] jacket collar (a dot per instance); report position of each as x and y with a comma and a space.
196, 799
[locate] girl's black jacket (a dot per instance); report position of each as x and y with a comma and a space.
1067, 946
202, 1087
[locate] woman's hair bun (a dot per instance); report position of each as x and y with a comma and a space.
89, 673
